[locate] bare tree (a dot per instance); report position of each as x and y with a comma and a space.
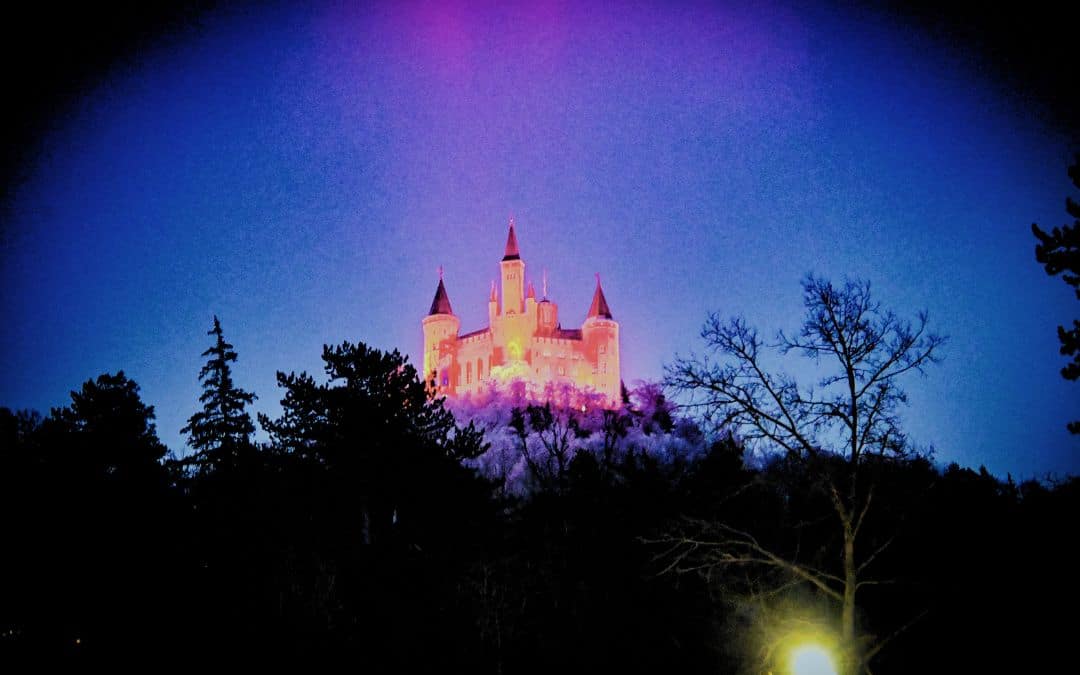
555, 428
834, 427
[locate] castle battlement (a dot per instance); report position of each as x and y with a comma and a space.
524, 340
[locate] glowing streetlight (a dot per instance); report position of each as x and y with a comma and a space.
811, 659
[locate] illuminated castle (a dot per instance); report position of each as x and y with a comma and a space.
523, 341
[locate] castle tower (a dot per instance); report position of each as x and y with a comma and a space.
441, 328
513, 329
513, 275
600, 333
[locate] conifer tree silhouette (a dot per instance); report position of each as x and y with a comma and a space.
223, 427
1059, 251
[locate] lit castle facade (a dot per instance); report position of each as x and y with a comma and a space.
523, 341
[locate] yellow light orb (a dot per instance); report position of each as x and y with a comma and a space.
811, 660
514, 347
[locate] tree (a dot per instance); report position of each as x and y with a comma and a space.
555, 429
374, 427
835, 432
98, 491
1057, 252
222, 428
532, 445
112, 429
385, 508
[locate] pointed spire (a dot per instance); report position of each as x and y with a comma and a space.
493, 297
599, 307
441, 303
511, 244
532, 291
545, 284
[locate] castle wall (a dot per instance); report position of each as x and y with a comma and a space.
560, 361
512, 334
588, 363
474, 354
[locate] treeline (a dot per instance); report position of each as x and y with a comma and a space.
363, 530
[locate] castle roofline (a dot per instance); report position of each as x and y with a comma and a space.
474, 333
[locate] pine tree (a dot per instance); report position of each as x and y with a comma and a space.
1059, 251
223, 428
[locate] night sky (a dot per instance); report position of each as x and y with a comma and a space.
303, 173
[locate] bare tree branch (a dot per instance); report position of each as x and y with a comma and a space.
895, 634
852, 415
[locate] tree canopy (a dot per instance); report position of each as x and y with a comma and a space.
502, 535
1059, 253
111, 426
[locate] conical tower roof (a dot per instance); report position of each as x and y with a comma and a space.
599, 307
441, 303
511, 245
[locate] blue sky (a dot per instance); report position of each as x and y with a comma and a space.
303, 173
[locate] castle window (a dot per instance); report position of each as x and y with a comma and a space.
479, 369
603, 348
468, 373
562, 371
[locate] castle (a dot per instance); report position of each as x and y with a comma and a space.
523, 341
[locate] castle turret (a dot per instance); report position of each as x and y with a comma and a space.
441, 328
547, 319
513, 276
600, 333
530, 304
547, 313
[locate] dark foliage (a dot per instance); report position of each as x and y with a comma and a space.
357, 534
1059, 253
88, 527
